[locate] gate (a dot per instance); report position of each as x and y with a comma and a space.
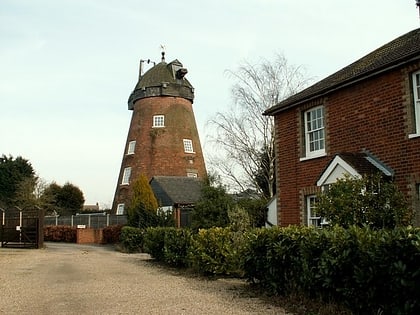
22, 228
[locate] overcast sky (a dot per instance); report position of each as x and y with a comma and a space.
67, 67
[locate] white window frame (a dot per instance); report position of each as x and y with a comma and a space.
158, 121
312, 220
188, 146
120, 209
315, 132
131, 147
416, 103
126, 176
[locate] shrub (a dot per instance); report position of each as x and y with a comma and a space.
132, 239
368, 270
154, 241
60, 233
112, 233
215, 251
370, 200
177, 243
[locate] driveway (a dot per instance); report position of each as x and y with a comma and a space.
88, 279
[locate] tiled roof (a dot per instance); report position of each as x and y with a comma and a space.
170, 190
365, 163
399, 51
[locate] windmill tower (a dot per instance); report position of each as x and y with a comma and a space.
163, 138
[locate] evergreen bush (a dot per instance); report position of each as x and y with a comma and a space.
132, 239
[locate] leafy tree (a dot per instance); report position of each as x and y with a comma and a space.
370, 200
13, 174
211, 210
64, 200
143, 207
71, 199
256, 209
243, 136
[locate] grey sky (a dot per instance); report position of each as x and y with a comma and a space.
67, 67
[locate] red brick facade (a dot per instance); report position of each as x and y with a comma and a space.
374, 114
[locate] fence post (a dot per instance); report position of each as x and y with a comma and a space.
56, 219
71, 220
107, 219
3, 222
89, 220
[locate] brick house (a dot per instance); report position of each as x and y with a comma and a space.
364, 117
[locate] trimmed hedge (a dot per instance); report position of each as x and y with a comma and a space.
60, 233
369, 271
112, 233
216, 251
131, 239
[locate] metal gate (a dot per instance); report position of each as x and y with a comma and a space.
22, 228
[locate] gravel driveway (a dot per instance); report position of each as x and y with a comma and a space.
83, 279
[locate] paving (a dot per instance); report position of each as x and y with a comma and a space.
92, 279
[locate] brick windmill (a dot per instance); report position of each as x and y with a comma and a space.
163, 138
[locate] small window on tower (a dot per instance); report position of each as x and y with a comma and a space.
158, 121
188, 147
131, 147
126, 176
120, 209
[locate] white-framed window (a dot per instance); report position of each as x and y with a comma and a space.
158, 121
314, 131
120, 209
192, 175
131, 147
126, 176
188, 146
416, 100
313, 218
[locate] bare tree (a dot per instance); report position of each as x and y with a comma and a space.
243, 137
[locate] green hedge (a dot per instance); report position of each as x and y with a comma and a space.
370, 271
131, 239
216, 251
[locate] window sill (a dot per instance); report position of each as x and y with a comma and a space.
414, 135
313, 156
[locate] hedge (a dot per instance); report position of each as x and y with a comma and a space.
369, 271
131, 239
60, 233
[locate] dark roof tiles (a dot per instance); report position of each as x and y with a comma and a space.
400, 50
170, 190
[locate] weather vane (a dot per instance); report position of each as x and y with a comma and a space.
418, 5
162, 48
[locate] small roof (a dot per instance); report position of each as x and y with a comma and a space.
170, 190
354, 164
401, 50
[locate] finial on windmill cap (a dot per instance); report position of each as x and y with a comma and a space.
163, 52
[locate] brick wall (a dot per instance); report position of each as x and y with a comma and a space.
372, 115
89, 236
